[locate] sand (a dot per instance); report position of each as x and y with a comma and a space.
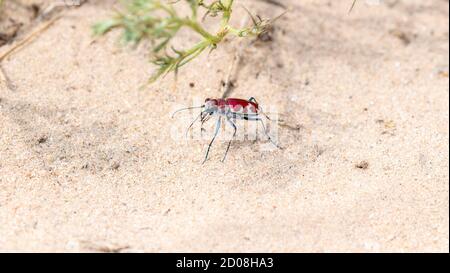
88, 161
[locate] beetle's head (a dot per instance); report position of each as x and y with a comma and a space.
211, 105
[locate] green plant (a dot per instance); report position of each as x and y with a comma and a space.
159, 21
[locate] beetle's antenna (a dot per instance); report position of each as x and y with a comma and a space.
185, 109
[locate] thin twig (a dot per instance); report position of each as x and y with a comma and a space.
20, 44
29, 38
226, 90
5, 79
353, 6
275, 3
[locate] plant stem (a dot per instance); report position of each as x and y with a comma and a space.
158, 21
227, 13
169, 9
200, 30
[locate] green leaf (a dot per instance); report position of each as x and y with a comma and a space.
105, 26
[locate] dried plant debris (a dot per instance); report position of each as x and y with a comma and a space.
104, 247
274, 3
14, 15
404, 37
389, 127
363, 165
8, 30
160, 21
42, 139
443, 73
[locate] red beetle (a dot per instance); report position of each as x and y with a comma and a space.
229, 109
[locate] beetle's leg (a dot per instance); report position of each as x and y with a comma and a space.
255, 117
266, 116
219, 122
204, 119
192, 124
252, 99
267, 134
234, 136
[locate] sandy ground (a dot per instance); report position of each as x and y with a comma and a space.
87, 161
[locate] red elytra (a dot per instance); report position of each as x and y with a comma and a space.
236, 105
